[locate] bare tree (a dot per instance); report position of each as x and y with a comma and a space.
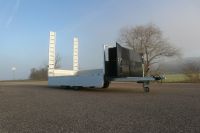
148, 41
58, 61
192, 71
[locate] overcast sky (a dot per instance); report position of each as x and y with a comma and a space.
25, 26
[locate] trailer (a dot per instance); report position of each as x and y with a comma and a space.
120, 64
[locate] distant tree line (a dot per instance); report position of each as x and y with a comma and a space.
42, 73
39, 74
192, 71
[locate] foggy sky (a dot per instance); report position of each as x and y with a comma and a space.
25, 26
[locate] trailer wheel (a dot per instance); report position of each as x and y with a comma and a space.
106, 84
146, 89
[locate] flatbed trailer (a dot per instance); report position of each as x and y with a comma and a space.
94, 78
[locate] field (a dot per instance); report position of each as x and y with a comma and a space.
27, 107
174, 78
178, 78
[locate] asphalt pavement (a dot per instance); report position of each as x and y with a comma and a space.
122, 108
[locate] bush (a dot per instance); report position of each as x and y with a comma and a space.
39, 74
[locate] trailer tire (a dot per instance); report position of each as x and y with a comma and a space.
146, 89
106, 84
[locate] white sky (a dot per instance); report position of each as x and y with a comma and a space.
25, 26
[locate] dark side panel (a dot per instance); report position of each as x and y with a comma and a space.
123, 62
112, 62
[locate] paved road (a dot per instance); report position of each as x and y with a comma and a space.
122, 108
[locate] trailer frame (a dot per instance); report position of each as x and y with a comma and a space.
94, 78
